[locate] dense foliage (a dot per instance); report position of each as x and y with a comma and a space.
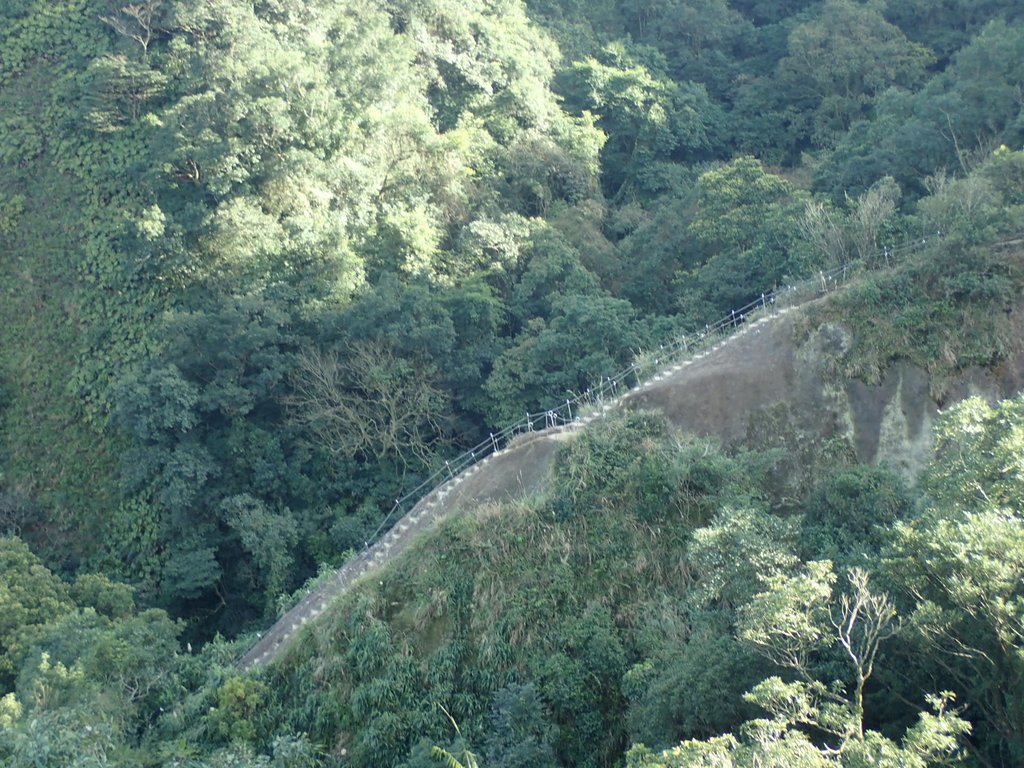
263, 266
656, 594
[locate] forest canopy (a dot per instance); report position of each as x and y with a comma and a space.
264, 266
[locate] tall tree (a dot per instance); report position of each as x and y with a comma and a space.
841, 61
962, 561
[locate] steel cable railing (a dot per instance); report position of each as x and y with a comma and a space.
675, 350
578, 407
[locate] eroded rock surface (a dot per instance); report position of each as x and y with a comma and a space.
771, 385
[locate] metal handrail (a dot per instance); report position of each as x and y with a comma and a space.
685, 343
644, 367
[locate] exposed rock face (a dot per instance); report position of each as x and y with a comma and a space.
770, 389
770, 386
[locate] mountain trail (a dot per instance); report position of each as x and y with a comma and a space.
682, 390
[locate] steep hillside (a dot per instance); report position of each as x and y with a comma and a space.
776, 385
600, 532
274, 274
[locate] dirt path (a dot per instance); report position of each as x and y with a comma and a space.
742, 370
517, 471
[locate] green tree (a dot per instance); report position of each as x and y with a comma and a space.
588, 337
657, 245
747, 229
738, 553
699, 38
269, 537
962, 561
580, 681
520, 731
75, 737
841, 61
239, 701
693, 686
849, 517
30, 598
106, 597
733, 202
952, 28
648, 118
763, 12
810, 722
953, 123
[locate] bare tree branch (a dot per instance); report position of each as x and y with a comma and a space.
136, 22
863, 622
369, 403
